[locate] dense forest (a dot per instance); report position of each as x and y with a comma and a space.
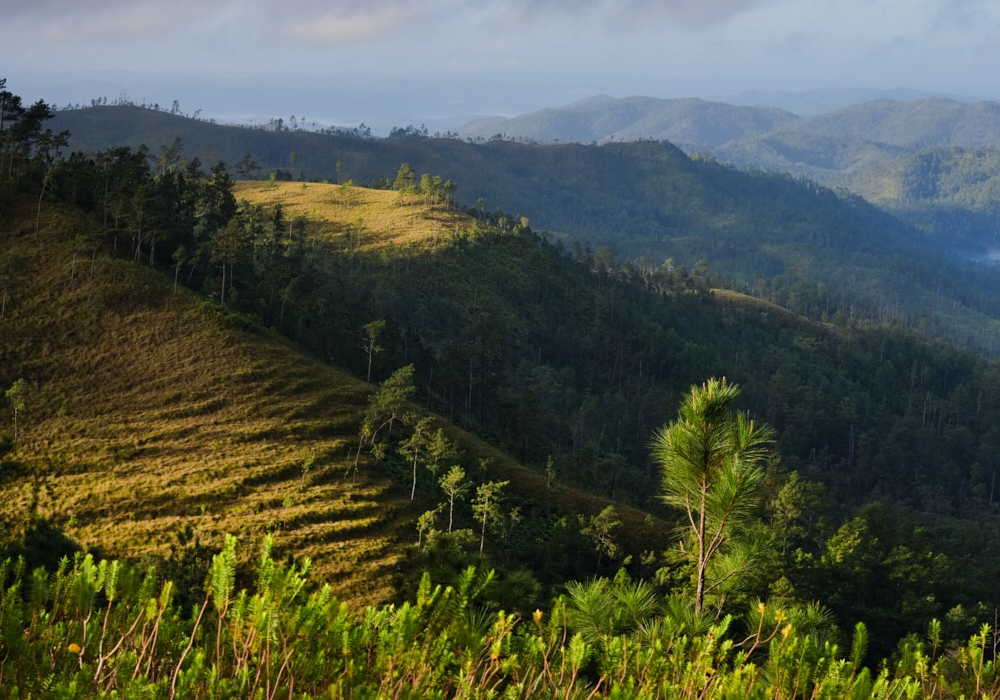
872, 502
642, 198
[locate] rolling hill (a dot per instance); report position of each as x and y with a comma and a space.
952, 192
150, 410
693, 121
643, 198
822, 146
698, 124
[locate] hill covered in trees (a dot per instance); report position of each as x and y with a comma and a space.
149, 415
693, 123
822, 147
643, 198
156, 310
951, 192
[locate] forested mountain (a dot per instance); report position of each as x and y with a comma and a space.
916, 124
698, 124
643, 198
175, 351
831, 147
817, 156
951, 192
817, 101
823, 147
693, 121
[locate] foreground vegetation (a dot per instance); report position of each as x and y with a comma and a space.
95, 628
91, 628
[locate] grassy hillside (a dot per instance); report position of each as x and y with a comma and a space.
555, 353
540, 350
149, 411
361, 219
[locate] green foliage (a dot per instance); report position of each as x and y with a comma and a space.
600, 530
709, 463
649, 199
455, 487
950, 192
104, 627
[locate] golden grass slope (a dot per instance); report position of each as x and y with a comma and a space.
357, 218
149, 411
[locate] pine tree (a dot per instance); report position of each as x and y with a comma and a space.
455, 487
709, 462
486, 506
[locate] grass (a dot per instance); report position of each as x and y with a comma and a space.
151, 411
357, 218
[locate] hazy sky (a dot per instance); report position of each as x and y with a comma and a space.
935, 45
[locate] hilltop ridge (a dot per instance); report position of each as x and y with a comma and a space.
150, 411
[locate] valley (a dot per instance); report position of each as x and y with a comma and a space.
422, 412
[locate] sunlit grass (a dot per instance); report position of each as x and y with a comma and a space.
148, 414
357, 218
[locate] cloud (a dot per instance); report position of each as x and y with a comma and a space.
321, 22
337, 23
629, 14
116, 21
964, 15
795, 43
316, 22
988, 48
897, 45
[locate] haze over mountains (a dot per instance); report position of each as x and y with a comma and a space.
693, 122
891, 152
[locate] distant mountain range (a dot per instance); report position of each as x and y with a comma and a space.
931, 161
808, 102
693, 122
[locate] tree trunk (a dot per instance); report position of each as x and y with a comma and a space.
699, 598
222, 301
413, 489
38, 216
482, 539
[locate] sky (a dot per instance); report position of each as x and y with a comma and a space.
477, 55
